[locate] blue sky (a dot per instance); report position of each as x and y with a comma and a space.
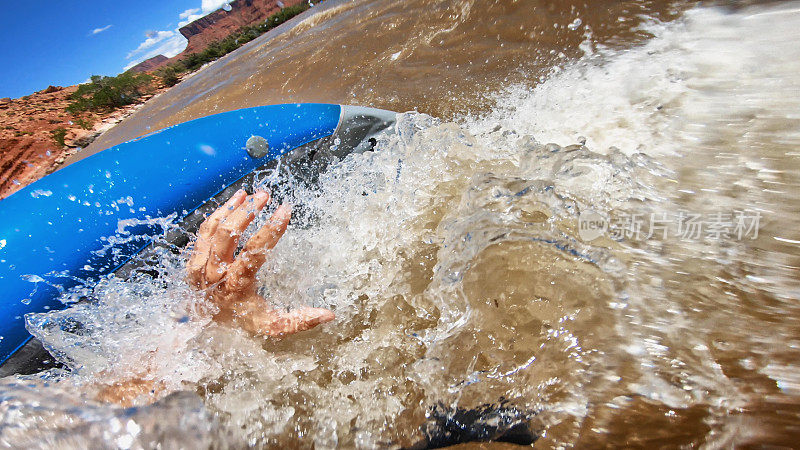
65, 42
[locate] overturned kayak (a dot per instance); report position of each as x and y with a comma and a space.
90, 218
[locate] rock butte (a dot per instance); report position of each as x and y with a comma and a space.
217, 25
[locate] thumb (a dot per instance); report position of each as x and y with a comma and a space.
296, 321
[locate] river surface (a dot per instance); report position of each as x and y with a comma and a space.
586, 212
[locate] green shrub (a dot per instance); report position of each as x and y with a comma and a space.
58, 135
285, 14
108, 93
193, 61
83, 123
169, 77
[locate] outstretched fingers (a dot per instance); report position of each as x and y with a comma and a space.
226, 237
209, 226
197, 262
253, 256
271, 232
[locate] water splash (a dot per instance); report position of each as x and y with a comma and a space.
453, 261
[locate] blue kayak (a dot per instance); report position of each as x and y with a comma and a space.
71, 228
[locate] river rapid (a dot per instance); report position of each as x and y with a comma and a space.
584, 215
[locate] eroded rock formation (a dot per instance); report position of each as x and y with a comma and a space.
150, 64
228, 19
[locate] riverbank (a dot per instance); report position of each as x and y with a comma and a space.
38, 133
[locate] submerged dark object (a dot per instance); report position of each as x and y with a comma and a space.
448, 426
90, 218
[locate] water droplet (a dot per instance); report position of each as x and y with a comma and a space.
32, 278
575, 24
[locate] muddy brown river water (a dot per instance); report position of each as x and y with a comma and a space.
587, 212
440, 58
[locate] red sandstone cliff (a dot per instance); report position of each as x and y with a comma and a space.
226, 20
150, 64
218, 25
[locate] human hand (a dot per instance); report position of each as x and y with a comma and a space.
230, 282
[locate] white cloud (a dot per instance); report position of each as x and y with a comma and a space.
100, 30
206, 7
165, 42
189, 12
153, 38
168, 47
213, 5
